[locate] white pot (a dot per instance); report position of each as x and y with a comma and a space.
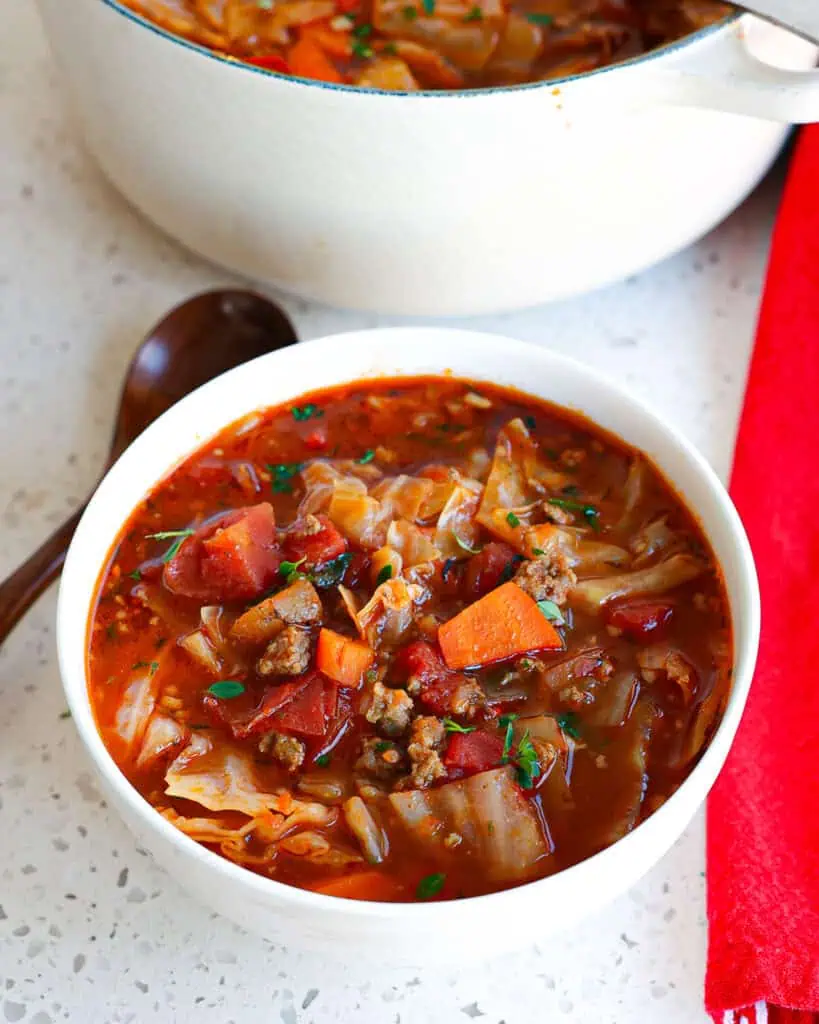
431, 203
398, 934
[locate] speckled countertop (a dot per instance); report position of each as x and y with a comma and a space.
92, 932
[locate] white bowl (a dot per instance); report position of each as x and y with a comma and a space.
432, 203
402, 933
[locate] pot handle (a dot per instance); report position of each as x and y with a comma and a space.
723, 74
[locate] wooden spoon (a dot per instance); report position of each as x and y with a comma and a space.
799, 16
197, 341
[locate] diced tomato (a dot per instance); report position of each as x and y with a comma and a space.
486, 570
316, 440
347, 6
307, 714
244, 722
436, 695
315, 548
231, 558
270, 62
640, 620
422, 660
473, 752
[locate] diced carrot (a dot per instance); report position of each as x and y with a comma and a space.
365, 885
307, 60
343, 660
337, 44
504, 623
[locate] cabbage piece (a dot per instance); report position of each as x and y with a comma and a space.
498, 828
163, 735
626, 804
517, 478
653, 539
388, 615
296, 605
315, 848
551, 679
412, 543
220, 779
583, 553
403, 497
614, 700
370, 835
199, 648
456, 523
635, 490
467, 43
137, 704
589, 595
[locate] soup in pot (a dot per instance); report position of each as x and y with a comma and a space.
406, 45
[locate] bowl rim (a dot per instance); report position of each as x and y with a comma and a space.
398, 339
440, 95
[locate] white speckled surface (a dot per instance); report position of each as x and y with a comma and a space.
90, 931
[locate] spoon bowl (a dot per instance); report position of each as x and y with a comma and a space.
197, 341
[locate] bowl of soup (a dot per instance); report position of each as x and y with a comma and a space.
386, 639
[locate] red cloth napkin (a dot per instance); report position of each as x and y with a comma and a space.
763, 814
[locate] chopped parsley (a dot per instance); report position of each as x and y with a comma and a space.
226, 689
465, 546
362, 49
382, 746
430, 886
530, 422
306, 412
429, 6
178, 536
540, 19
507, 722
152, 666
135, 575
447, 567
368, 456
323, 760
452, 726
589, 512
384, 575
528, 766
552, 612
332, 573
371, 676
538, 551
282, 474
410, 13
512, 519
290, 570
474, 14
569, 723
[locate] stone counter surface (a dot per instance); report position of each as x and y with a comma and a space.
90, 930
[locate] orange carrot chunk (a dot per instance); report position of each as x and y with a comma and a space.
504, 623
365, 885
308, 60
343, 660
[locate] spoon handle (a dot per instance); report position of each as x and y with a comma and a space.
19, 592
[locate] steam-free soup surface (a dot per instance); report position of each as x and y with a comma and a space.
406, 45
409, 640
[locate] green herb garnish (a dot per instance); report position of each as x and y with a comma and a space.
306, 412
447, 567
528, 766
569, 723
510, 568
282, 474
538, 551
452, 726
512, 519
430, 886
474, 14
368, 456
362, 49
178, 536
429, 6
362, 31
382, 745
290, 570
589, 512
135, 575
332, 573
530, 422
465, 546
410, 13
507, 722
323, 760
540, 19
384, 575
371, 676
552, 612
226, 689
